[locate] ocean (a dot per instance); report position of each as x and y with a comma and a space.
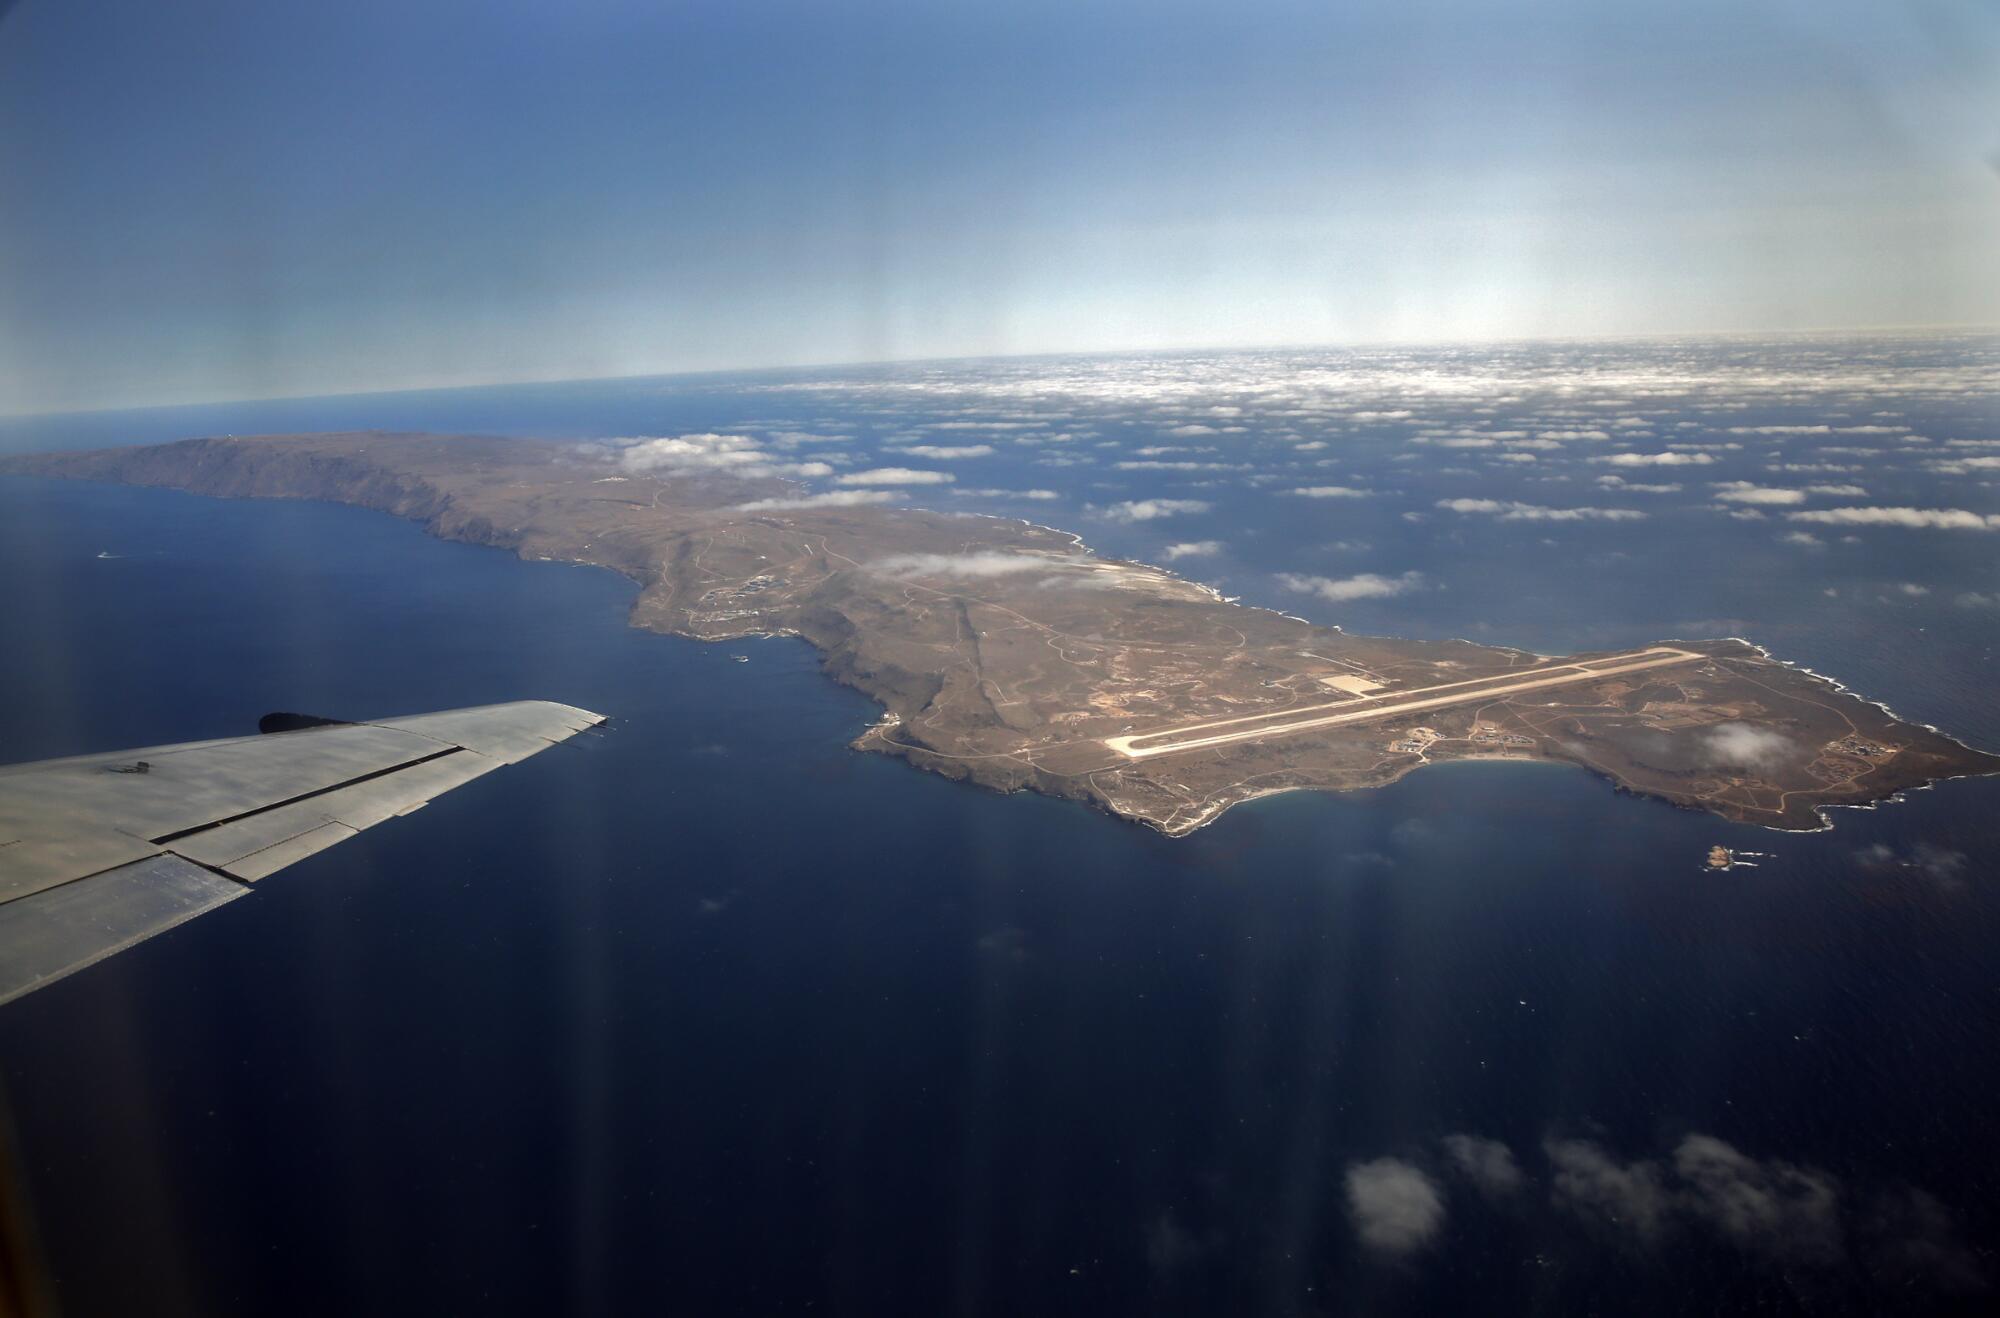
708, 1013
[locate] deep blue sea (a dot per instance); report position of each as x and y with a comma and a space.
707, 1013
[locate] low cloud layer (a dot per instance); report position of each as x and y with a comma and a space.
832, 499
1745, 492
988, 564
1367, 585
1511, 511
1488, 1164
1150, 510
946, 452
1656, 459
706, 454
1746, 746
1943, 519
895, 476
1396, 1207
1192, 549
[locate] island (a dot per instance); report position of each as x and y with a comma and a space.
1010, 655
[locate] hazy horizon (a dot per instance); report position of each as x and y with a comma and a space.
1170, 350
236, 201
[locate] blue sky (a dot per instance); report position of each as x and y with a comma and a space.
227, 200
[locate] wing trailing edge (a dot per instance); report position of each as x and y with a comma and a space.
98, 852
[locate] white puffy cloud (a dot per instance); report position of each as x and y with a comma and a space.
706, 453
946, 451
831, 499
1512, 511
1746, 746
1192, 549
1488, 1164
1329, 492
968, 493
1395, 1206
1745, 492
1772, 1208
976, 564
1656, 459
1368, 585
1618, 1196
1150, 510
1966, 466
895, 476
1176, 464
1613, 482
1946, 519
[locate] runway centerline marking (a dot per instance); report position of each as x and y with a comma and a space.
1279, 723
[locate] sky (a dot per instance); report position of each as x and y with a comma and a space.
217, 199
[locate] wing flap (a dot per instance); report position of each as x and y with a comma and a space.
261, 864
30, 864
508, 733
100, 851
52, 933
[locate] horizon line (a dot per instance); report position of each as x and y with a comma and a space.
855, 365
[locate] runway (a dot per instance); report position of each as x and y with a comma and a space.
1254, 727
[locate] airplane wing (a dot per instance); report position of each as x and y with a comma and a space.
99, 852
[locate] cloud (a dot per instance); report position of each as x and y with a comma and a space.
1193, 430
1804, 539
1488, 1164
1368, 585
1396, 1207
1965, 466
1656, 459
978, 564
713, 454
964, 493
1329, 492
1149, 510
1771, 1208
1511, 511
1915, 1240
1192, 549
834, 499
1621, 1196
1620, 483
895, 476
1153, 464
1940, 865
1946, 519
1845, 491
946, 451
1745, 746
1785, 1214
1745, 492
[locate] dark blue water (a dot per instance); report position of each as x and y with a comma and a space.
709, 1014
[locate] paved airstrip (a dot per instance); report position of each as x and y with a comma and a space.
1257, 727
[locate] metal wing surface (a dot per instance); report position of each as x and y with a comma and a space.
98, 852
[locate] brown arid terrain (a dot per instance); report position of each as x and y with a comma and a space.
1010, 655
